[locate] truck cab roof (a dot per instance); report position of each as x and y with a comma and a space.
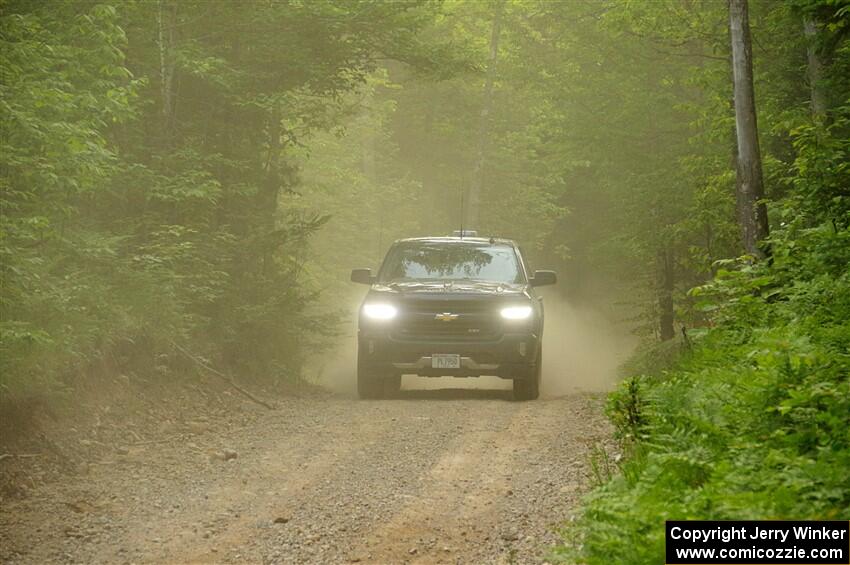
456, 239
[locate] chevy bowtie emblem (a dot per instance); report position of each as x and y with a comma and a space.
446, 317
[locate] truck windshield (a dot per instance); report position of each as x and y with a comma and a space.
456, 261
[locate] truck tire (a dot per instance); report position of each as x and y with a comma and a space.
392, 386
528, 387
370, 386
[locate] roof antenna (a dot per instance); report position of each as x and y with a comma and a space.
461, 213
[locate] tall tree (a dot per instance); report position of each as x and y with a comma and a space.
814, 67
752, 212
166, 29
473, 213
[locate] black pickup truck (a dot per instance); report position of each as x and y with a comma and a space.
450, 306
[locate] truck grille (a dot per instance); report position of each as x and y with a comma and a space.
477, 325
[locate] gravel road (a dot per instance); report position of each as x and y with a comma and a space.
435, 476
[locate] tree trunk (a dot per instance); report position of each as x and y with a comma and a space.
166, 22
370, 173
752, 212
473, 202
815, 68
666, 282
440, 195
271, 191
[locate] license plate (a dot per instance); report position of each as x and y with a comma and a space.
445, 361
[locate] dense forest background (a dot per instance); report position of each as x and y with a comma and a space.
202, 175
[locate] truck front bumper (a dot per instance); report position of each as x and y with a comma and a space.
512, 355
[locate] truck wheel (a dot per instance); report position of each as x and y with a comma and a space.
528, 388
392, 386
369, 386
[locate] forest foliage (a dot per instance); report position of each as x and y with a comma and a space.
149, 176
749, 419
204, 174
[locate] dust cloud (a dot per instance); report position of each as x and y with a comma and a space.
582, 349
583, 346
336, 369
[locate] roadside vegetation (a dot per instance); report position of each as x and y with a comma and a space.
747, 416
149, 199
750, 421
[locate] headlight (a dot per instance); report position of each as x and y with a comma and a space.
380, 311
516, 312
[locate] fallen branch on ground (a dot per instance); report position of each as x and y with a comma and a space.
18, 455
224, 377
154, 441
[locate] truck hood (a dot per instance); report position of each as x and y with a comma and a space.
479, 288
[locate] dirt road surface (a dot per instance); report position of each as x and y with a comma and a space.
435, 476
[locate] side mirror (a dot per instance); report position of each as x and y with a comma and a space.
543, 278
362, 276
